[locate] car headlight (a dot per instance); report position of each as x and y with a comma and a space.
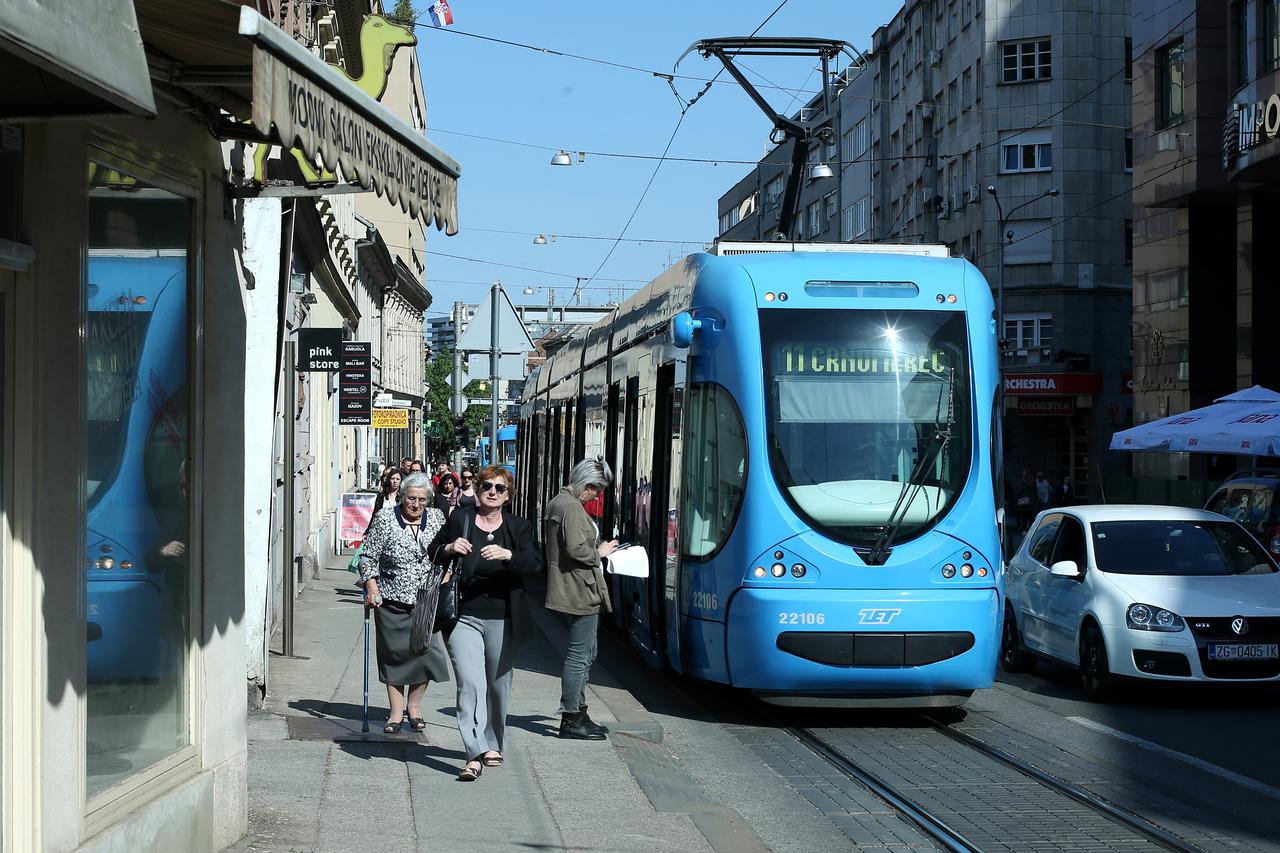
1144, 617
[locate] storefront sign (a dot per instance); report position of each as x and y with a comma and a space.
1019, 384
1254, 124
354, 383
319, 349
323, 114
1045, 406
390, 419
354, 514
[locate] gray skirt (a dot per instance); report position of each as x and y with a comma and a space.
396, 663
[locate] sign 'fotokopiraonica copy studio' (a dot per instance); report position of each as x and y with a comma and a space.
318, 349
355, 404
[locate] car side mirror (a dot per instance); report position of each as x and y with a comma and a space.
1065, 569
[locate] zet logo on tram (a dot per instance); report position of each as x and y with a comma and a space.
877, 616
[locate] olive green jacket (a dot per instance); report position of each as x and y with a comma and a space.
575, 576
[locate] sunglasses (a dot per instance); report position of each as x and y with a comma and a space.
500, 488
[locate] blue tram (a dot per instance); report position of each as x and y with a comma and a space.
506, 449
805, 440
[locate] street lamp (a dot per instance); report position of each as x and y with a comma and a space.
540, 240
562, 159
1005, 238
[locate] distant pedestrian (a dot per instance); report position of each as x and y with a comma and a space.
466, 491
442, 468
389, 487
1023, 495
495, 550
406, 466
1044, 492
447, 494
393, 565
1065, 494
415, 467
576, 587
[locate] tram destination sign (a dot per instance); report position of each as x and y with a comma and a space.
355, 398
319, 349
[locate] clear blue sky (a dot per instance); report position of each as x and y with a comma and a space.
494, 90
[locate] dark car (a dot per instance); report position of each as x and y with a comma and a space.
1251, 499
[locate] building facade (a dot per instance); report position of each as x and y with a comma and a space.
1002, 132
148, 285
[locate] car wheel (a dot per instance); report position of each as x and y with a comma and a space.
1013, 656
1095, 671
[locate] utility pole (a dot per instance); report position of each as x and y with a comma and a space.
494, 357
459, 399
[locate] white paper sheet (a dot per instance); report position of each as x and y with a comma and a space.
631, 561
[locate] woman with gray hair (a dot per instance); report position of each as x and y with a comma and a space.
393, 565
576, 587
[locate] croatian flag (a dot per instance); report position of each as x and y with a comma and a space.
441, 14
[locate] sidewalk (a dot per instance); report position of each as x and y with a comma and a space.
317, 783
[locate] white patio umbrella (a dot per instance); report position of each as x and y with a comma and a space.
1246, 422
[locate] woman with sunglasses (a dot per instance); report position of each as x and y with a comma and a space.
393, 564
467, 492
494, 551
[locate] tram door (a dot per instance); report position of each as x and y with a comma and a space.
654, 506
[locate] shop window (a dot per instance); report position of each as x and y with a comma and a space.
137, 525
1026, 61
1170, 79
715, 470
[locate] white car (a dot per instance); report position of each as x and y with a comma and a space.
1151, 592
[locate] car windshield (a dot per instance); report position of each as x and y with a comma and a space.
858, 402
1184, 548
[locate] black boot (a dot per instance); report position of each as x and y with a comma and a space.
590, 722
577, 727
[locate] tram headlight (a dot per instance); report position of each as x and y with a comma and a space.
798, 570
759, 572
966, 571
948, 571
782, 296
769, 297
777, 555
778, 570
106, 563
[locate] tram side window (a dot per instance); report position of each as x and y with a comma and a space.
715, 470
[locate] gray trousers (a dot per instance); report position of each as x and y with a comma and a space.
578, 658
482, 652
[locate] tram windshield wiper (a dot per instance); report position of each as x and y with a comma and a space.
879, 552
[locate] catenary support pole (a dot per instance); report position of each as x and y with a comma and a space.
495, 343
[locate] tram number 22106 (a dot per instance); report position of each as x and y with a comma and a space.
802, 618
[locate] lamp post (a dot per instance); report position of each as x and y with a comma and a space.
1003, 238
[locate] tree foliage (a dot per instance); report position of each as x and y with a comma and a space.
439, 427
404, 13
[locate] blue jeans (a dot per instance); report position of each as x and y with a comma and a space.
577, 662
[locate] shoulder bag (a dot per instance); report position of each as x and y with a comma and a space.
448, 608
423, 623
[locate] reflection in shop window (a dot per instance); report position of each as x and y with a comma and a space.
137, 529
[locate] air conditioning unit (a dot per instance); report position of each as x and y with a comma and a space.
926, 196
331, 53
972, 195
935, 57
926, 110
944, 210
327, 28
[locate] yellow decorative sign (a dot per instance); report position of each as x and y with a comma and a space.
390, 419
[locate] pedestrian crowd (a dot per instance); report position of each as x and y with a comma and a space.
443, 567
1026, 496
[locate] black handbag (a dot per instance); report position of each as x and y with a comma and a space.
448, 609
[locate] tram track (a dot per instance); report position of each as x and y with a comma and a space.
927, 810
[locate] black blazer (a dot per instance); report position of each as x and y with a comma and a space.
516, 535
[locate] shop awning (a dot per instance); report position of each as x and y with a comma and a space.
62, 58
1246, 423
326, 115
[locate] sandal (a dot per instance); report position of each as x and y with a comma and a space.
418, 724
392, 728
472, 771
494, 760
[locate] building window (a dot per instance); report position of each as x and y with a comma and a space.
861, 223
829, 150
846, 146
1128, 152
728, 219
1169, 73
1270, 35
1240, 23
1128, 242
1026, 61
773, 192
1128, 58
137, 521
1028, 331
1032, 242
1027, 151
846, 224
860, 138
829, 206
813, 216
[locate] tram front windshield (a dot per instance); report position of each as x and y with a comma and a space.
868, 411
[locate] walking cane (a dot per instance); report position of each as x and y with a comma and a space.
364, 726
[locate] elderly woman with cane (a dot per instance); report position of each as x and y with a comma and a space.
494, 550
393, 566
576, 587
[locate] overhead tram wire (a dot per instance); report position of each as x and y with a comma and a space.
657, 166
